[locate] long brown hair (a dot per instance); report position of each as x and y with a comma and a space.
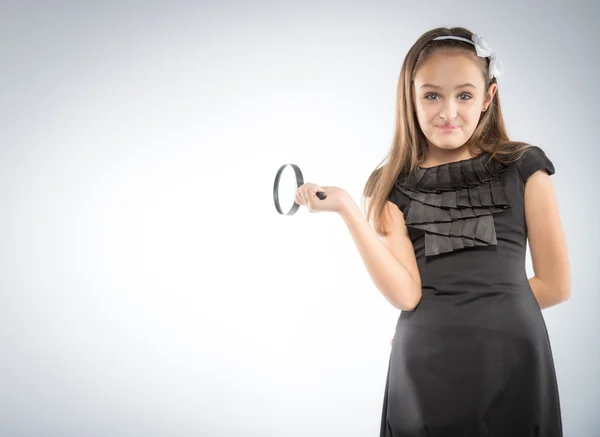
409, 143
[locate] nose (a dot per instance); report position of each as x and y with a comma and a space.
448, 111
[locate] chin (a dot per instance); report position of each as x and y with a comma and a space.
447, 145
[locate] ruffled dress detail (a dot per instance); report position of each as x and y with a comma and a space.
454, 202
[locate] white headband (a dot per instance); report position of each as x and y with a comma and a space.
483, 50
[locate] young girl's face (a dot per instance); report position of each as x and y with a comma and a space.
449, 88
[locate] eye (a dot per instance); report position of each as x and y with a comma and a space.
434, 94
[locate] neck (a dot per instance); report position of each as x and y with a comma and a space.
435, 156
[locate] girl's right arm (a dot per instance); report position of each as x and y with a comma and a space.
390, 260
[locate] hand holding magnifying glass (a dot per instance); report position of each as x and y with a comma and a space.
315, 197
308, 195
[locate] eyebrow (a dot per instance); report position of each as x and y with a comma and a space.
460, 86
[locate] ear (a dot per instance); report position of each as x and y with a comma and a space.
490, 94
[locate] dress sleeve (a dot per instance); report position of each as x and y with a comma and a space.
399, 199
533, 160
393, 196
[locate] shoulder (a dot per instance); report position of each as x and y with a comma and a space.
534, 158
397, 196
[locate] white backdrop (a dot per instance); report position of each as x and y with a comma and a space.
149, 287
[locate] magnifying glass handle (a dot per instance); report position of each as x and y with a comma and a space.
321, 195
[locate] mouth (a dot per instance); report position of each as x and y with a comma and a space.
447, 126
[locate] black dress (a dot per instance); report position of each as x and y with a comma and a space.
473, 358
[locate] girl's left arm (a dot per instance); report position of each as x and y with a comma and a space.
551, 283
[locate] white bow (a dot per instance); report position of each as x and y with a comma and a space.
484, 49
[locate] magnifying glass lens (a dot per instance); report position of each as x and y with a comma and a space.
287, 188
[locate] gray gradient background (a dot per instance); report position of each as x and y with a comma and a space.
148, 286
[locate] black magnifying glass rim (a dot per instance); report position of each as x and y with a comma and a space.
299, 183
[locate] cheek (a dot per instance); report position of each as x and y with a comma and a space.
471, 115
427, 112
422, 114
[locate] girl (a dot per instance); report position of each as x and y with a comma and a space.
444, 240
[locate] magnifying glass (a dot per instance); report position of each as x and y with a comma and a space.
285, 188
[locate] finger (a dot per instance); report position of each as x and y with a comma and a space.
308, 191
299, 195
306, 194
